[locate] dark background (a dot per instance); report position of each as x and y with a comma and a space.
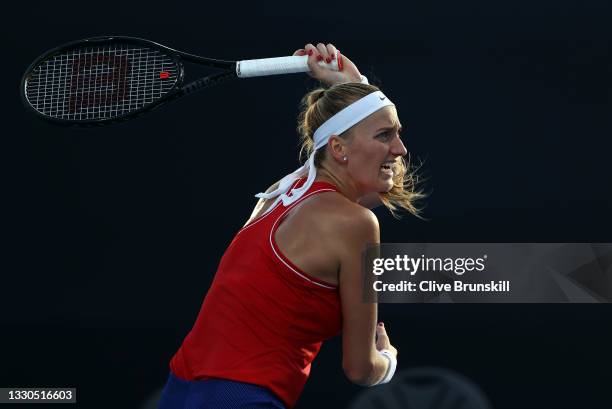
112, 235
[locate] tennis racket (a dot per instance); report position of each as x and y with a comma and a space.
103, 80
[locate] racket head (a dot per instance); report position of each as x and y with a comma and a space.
101, 80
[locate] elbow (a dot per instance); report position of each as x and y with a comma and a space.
360, 374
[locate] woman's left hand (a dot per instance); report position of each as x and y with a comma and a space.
327, 53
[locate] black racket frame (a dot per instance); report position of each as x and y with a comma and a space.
177, 91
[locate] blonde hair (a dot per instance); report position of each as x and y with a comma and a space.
319, 105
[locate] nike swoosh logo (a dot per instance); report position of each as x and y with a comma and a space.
382, 98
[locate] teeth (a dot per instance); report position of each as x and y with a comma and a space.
386, 168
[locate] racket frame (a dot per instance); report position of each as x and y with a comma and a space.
177, 90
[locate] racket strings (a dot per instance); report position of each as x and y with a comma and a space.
100, 82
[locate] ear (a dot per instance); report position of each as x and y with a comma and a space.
337, 148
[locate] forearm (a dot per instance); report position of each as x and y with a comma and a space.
380, 368
384, 368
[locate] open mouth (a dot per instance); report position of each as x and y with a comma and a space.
387, 168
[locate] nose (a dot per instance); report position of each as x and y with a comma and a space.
397, 147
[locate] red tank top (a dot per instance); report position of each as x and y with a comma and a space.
263, 320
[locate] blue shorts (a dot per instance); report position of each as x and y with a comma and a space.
216, 394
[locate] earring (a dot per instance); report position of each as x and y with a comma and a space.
344, 158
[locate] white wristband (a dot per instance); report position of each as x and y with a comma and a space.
390, 369
364, 79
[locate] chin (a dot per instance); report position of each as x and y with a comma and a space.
385, 186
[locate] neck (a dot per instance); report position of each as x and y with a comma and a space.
324, 174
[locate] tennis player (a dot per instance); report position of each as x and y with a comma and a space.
292, 276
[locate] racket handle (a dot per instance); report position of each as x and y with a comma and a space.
278, 66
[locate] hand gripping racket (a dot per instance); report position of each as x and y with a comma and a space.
102, 80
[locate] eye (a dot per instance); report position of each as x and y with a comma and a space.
385, 136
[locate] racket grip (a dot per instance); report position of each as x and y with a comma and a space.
278, 66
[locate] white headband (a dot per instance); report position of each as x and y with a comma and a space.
340, 122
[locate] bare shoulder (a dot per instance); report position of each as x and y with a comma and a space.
344, 219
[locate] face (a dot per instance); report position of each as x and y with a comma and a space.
372, 150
